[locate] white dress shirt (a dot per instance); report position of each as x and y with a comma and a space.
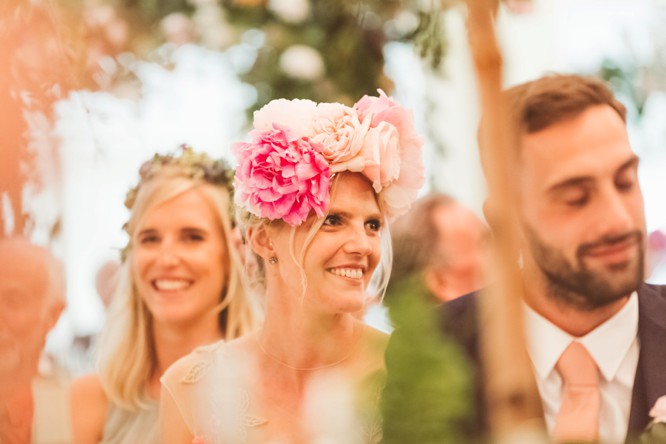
614, 346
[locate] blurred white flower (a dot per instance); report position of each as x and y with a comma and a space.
302, 62
177, 28
291, 11
211, 25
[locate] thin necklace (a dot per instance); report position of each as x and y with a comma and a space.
304, 369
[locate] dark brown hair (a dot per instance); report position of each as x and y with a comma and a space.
543, 102
538, 104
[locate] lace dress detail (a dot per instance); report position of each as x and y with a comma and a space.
212, 393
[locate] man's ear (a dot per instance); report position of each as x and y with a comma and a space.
260, 241
490, 213
435, 283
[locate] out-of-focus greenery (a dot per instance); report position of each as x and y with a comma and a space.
346, 37
654, 434
428, 393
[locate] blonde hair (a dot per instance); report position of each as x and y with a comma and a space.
256, 274
127, 353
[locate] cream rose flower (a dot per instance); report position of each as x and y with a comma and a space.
340, 132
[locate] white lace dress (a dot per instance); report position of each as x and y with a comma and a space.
215, 397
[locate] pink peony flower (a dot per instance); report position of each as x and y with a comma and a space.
340, 132
400, 176
281, 176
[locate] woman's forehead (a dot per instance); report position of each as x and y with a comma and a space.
350, 189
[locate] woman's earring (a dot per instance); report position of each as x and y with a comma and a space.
272, 259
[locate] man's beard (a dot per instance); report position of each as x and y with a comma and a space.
575, 285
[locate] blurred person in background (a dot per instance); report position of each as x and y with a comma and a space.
179, 288
106, 281
81, 355
32, 297
443, 243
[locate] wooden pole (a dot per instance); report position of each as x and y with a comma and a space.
514, 406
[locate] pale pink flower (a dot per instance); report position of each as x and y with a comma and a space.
658, 411
297, 115
400, 195
381, 149
340, 132
397, 191
281, 176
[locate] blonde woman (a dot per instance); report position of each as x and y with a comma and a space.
179, 288
316, 186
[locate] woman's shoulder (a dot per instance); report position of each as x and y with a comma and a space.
370, 352
88, 406
88, 390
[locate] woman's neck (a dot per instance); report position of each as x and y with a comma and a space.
172, 342
298, 338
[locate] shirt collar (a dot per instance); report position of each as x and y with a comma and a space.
608, 343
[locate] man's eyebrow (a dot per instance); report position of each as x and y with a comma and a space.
572, 182
631, 163
580, 181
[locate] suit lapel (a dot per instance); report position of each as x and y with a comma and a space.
650, 381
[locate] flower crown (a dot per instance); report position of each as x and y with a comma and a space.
298, 145
197, 166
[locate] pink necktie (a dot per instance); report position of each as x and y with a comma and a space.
578, 418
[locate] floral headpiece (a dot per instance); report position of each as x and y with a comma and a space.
197, 166
298, 145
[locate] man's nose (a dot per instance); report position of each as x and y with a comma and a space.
616, 213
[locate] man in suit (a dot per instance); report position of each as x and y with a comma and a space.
581, 231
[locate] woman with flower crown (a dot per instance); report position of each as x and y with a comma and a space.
316, 187
180, 287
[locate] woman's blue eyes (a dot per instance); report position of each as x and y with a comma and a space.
374, 224
333, 220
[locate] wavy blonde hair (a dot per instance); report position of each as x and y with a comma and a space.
127, 352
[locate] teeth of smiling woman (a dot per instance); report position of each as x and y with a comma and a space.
164, 284
353, 273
